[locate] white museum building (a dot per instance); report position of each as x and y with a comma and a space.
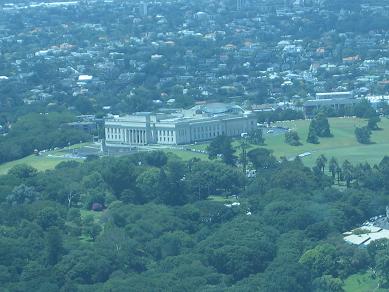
200, 123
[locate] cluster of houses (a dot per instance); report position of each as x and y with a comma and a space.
183, 51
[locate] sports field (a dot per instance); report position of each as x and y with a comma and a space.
342, 145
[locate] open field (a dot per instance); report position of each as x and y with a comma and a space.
45, 161
362, 283
186, 155
342, 145
41, 163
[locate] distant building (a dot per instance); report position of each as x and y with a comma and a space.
240, 4
87, 123
376, 100
335, 95
335, 100
200, 123
143, 9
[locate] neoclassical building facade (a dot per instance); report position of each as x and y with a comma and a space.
200, 123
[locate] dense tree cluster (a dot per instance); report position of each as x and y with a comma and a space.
39, 131
279, 115
159, 231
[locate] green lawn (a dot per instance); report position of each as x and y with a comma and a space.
362, 283
186, 155
39, 162
342, 145
42, 162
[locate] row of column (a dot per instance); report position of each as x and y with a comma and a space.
134, 136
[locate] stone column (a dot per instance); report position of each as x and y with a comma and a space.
144, 136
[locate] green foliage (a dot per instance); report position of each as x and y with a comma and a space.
39, 131
49, 217
22, 194
280, 115
372, 123
382, 264
333, 166
262, 158
23, 171
54, 246
321, 162
159, 231
364, 109
328, 283
221, 146
312, 138
321, 260
347, 172
363, 135
320, 126
256, 137
156, 158
292, 138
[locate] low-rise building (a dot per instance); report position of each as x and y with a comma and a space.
200, 123
335, 100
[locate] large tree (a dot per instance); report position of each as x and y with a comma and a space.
321, 162
292, 138
312, 135
221, 146
262, 158
321, 125
372, 123
333, 166
363, 135
256, 137
347, 172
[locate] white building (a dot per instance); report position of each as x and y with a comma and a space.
334, 95
200, 123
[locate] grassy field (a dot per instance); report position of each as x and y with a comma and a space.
42, 162
186, 155
39, 162
342, 145
362, 283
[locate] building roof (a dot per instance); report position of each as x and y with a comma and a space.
329, 102
357, 239
218, 108
334, 94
